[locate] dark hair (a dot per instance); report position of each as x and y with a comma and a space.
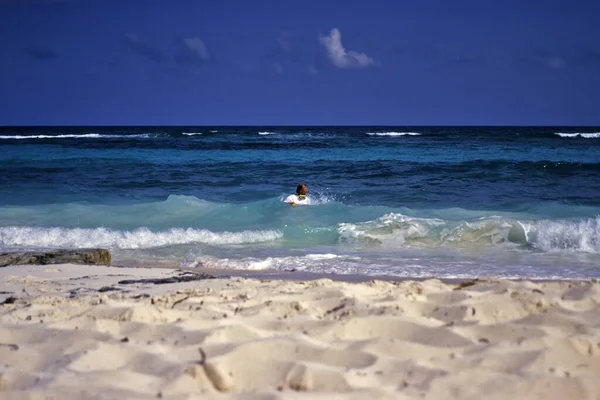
301, 188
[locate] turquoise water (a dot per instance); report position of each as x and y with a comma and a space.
402, 201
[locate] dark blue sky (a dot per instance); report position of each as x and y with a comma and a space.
280, 62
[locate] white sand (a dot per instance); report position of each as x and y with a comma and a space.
61, 339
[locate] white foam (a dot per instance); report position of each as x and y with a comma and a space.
240, 264
141, 238
19, 137
192, 133
556, 236
314, 262
321, 256
592, 135
266, 133
70, 136
393, 133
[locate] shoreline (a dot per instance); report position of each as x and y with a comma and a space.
350, 278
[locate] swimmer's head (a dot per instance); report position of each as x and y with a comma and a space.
301, 190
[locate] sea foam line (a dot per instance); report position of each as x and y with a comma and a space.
141, 238
309, 261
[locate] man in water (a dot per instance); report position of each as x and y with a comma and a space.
300, 198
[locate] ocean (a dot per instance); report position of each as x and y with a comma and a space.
446, 202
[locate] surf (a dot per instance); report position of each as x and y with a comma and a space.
182, 219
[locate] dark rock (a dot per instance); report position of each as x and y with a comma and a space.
9, 300
79, 256
176, 279
107, 289
466, 284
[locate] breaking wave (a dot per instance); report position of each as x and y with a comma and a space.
397, 230
141, 238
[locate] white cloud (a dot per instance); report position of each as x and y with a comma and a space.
556, 63
550, 61
197, 48
339, 56
283, 44
139, 46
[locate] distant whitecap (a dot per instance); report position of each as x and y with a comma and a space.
71, 136
87, 135
393, 133
592, 135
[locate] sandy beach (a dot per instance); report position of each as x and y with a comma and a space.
78, 332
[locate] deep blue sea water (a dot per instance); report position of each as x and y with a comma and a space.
402, 201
